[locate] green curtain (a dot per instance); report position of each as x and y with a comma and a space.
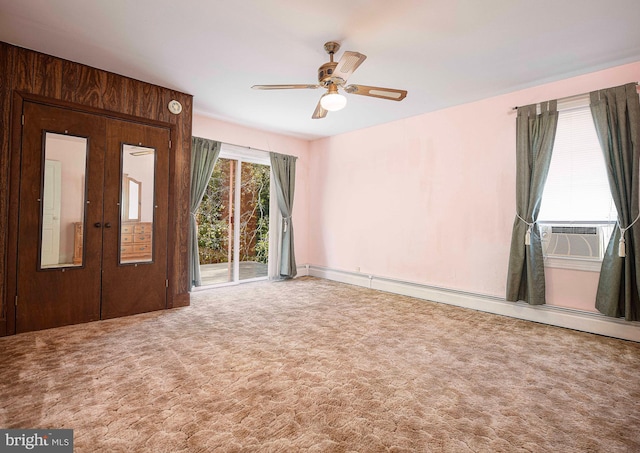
204, 154
535, 135
616, 115
284, 171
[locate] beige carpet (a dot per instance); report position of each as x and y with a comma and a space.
312, 365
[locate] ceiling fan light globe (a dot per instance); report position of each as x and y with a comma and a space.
333, 102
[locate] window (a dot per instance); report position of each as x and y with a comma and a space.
577, 214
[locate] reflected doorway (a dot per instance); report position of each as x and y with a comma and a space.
233, 221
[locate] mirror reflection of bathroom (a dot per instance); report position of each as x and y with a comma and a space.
137, 204
63, 200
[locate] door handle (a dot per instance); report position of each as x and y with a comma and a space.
97, 225
107, 225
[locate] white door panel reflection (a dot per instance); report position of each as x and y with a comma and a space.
137, 204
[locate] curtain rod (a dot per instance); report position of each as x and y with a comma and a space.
583, 94
254, 149
233, 144
242, 146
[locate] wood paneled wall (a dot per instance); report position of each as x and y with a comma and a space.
33, 73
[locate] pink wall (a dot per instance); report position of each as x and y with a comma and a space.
242, 136
431, 199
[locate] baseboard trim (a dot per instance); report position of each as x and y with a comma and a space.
303, 271
554, 316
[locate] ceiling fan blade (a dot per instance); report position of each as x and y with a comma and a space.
348, 64
284, 87
319, 112
377, 92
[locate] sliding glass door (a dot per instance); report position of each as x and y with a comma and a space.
233, 221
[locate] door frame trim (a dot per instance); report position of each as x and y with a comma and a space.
8, 327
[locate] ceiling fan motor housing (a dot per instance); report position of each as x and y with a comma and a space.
325, 74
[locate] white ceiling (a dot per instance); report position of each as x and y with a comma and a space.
444, 52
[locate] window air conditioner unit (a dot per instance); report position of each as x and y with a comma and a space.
564, 241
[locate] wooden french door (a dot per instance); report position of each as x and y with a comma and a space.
112, 220
134, 270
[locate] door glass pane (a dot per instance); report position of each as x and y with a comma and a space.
137, 204
254, 220
215, 225
63, 201
233, 225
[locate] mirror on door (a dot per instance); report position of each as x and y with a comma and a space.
63, 201
137, 204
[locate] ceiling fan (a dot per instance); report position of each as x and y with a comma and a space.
334, 75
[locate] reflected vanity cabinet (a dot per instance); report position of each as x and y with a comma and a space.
135, 242
77, 243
